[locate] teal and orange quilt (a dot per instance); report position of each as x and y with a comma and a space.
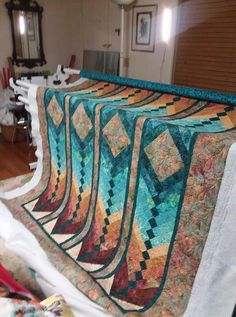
131, 174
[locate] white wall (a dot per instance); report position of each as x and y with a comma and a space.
93, 24
70, 26
5, 35
76, 30
56, 33
145, 65
100, 18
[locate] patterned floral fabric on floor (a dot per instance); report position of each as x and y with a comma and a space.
130, 182
16, 300
19, 270
52, 307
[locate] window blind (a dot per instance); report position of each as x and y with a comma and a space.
205, 54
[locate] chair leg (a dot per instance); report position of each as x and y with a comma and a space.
13, 135
27, 135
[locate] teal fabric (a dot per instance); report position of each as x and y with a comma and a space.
202, 94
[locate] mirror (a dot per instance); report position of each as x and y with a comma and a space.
26, 17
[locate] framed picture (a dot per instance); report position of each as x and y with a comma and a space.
144, 28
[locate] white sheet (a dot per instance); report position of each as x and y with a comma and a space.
19, 240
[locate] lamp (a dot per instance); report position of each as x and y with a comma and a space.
122, 4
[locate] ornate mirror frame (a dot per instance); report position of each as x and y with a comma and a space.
29, 6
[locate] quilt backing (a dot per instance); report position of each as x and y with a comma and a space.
130, 182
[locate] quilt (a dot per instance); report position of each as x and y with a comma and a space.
131, 174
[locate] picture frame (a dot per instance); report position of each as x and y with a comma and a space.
144, 28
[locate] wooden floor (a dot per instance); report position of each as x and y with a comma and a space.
14, 158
